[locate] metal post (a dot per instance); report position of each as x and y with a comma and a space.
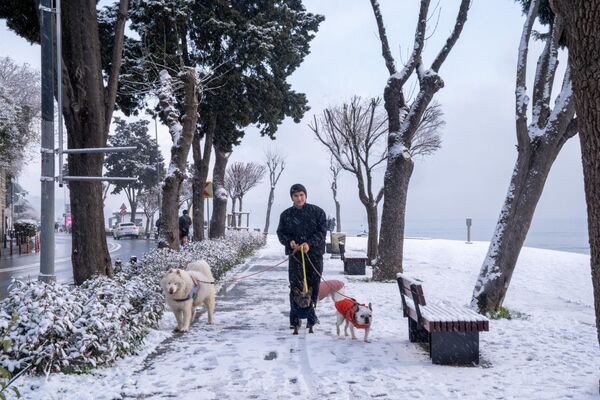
47, 178
207, 218
469, 222
59, 90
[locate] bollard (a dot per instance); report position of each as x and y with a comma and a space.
118, 265
11, 246
342, 246
469, 223
19, 243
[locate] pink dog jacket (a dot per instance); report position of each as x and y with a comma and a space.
328, 287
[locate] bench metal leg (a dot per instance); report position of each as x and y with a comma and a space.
454, 347
417, 334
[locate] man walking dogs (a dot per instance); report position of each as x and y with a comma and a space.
302, 228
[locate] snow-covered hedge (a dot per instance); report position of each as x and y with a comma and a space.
75, 328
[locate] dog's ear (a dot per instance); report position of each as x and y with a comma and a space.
170, 270
370, 308
178, 272
356, 307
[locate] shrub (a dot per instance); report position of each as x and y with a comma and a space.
25, 228
75, 328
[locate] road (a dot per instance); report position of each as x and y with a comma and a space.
28, 266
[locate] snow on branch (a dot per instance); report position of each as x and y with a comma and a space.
521, 86
544, 77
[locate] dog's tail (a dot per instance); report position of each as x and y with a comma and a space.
202, 267
338, 295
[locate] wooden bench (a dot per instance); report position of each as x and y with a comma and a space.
451, 332
354, 265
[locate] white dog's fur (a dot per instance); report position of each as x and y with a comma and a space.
178, 284
364, 316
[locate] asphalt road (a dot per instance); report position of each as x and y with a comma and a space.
28, 266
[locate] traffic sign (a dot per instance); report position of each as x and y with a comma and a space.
123, 209
207, 193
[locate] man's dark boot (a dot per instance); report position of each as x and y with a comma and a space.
310, 329
296, 330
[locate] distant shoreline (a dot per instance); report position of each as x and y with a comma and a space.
569, 235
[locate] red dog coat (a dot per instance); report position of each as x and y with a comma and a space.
347, 308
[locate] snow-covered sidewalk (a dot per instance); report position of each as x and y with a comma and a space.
549, 352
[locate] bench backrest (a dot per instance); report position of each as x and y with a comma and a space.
412, 289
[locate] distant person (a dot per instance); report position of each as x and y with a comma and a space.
157, 225
303, 227
184, 228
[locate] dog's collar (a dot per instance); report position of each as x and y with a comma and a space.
194, 293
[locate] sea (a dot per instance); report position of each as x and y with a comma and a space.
554, 234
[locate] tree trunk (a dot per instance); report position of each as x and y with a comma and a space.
239, 222
133, 206
391, 238
269, 205
525, 189
182, 139
87, 110
201, 166
372, 222
217, 221
232, 222
338, 217
147, 225
583, 40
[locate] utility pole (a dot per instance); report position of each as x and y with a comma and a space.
48, 152
47, 178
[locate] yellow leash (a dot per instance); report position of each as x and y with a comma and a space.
304, 270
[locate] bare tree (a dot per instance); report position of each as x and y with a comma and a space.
335, 169
231, 186
352, 134
404, 120
580, 19
538, 144
148, 200
240, 178
275, 164
182, 131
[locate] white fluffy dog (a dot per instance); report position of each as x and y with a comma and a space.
186, 289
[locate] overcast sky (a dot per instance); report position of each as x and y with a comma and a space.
467, 177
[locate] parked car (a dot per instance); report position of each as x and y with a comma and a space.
126, 229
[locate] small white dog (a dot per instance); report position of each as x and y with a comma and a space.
186, 289
356, 315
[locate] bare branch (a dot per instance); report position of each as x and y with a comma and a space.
419, 43
427, 139
461, 18
385, 47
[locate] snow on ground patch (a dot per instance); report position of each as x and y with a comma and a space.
549, 353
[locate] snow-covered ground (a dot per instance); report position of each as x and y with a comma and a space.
549, 352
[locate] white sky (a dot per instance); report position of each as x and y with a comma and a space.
467, 177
